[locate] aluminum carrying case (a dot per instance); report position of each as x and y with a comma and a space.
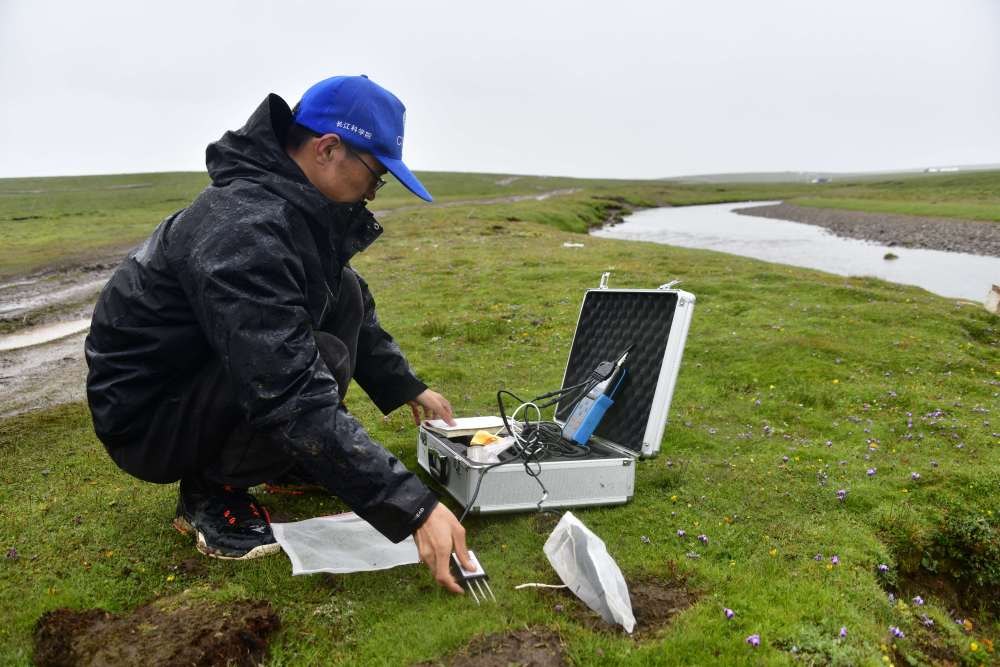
655, 322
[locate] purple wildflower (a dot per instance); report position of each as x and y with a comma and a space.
703, 539
728, 612
843, 632
785, 459
681, 533
12, 553
934, 464
753, 640
644, 539
914, 476
919, 601
835, 560
871, 472
818, 557
841, 494
896, 632
882, 567
927, 621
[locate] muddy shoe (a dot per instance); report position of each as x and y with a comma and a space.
227, 523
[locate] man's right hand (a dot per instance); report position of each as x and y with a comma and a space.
439, 535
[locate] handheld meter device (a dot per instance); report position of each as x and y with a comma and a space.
590, 410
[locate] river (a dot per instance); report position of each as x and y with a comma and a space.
716, 227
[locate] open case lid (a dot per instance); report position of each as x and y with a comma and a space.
655, 323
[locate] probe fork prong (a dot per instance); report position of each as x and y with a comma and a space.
471, 590
487, 584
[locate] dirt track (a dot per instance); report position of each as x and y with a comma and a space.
910, 231
41, 376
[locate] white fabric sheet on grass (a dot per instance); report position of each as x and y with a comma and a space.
340, 544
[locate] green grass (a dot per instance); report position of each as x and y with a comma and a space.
779, 362
52, 221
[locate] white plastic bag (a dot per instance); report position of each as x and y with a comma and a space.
340, 544
582, 561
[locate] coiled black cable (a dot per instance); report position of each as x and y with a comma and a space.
534, 441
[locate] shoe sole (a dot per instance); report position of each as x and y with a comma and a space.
184, 526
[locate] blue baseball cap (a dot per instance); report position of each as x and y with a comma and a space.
366, 116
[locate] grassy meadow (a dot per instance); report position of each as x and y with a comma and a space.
795, 385
51, 222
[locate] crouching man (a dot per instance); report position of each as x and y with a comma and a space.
221, 349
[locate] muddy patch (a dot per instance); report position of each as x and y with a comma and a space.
170, 631
655, 603
615, 209
42, 376
54, 295
194, 566
534, 647
42, 334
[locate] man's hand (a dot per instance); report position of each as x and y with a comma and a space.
435, 407
439, 535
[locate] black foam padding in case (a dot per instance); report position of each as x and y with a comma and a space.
610, 321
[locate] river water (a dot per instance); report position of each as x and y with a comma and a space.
716, 227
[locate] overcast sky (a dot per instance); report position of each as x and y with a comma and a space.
615, 89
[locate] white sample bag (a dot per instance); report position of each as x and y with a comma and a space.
582, 561
340, 544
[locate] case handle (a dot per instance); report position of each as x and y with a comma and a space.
675, 281
604, 280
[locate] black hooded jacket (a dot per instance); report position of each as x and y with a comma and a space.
245, 274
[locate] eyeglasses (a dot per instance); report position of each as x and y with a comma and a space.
379, 181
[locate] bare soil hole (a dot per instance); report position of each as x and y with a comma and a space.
168, 631
655, 602
533, 647
964, 599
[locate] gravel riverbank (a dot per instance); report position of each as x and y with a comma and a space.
977, 238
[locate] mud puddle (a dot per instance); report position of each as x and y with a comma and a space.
169, 631
42, 334
533, 647
42, 376
43, 317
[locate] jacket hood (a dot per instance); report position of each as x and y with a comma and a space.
256, 153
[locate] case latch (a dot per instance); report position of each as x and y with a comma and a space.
438, 467
604, 280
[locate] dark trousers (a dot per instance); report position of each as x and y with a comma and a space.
198, 433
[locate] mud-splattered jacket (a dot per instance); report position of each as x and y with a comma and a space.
245, 274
